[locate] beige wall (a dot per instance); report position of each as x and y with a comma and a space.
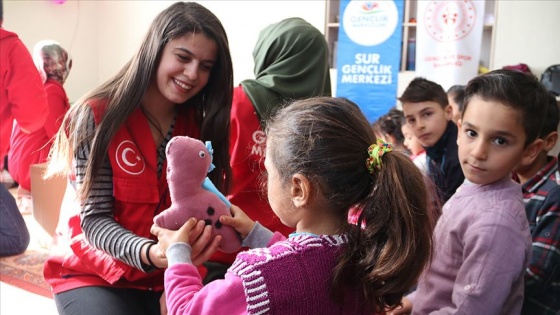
527, 32
73, 25
102, 35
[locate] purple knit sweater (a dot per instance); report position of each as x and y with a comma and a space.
293, 277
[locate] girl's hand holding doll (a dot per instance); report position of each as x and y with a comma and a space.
239, 221
195, 233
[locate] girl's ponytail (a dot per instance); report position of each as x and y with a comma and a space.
391, 239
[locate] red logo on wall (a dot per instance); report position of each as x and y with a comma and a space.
448, 21
128, 158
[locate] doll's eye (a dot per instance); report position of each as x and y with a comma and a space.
201, 154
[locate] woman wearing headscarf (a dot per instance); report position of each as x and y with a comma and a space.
290, 63
54, 64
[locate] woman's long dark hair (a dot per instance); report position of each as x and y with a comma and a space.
125, 90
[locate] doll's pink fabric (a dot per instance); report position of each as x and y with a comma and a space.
188, 162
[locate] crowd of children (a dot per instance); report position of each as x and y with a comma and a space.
450, 205
503, 254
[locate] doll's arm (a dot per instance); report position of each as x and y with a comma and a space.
208, 185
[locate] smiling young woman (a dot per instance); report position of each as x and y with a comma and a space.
112, 143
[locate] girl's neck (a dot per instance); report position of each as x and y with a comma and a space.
320, 224
160, 113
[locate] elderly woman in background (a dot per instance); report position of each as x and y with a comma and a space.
54, 64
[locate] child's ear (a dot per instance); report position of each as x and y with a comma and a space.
550, 141
459, 124
300, 190
531, 152
448, 112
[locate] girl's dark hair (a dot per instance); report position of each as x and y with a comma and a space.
327, 139
125, 91
390, 124
457, 92
514, 89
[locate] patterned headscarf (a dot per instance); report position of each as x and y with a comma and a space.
52, 61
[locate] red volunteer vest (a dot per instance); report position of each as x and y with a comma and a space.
139, 196
247, 151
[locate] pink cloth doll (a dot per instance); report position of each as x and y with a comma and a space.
192, 193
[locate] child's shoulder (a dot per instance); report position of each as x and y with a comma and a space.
552, 195
257, 257
501, 189
498, 203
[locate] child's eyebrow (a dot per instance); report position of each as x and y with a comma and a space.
420, 112
425, 109
501, 133
469, 125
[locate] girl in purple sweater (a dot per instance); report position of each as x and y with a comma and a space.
323, 165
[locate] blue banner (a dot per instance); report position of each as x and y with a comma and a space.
369, 54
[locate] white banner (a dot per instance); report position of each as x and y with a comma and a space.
449, 38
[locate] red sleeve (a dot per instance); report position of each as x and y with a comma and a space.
58, 106
27, 97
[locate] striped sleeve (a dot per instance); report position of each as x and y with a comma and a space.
98, 224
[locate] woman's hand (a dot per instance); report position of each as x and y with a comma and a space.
157, 260
239, 221
193, 232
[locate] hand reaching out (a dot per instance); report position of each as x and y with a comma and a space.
193, 232
239, 221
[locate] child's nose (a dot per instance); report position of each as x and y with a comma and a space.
480, 150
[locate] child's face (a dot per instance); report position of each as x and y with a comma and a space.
455, 113
410, 141
278, 198
427, 120
491, 141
